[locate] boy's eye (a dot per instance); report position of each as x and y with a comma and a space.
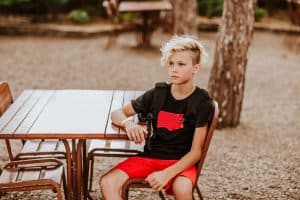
181, 64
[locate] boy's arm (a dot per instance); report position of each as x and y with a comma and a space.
158, 180
134, 132
119, 115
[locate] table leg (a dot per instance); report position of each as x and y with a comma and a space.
69, 169
74, 169
79, 169
145, 32
84, 172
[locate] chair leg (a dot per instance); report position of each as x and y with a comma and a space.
86, 188
65, 186
199, 192
57, 189
161, 194
91, 175
59, 195
125, 192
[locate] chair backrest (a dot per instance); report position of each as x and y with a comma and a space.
5, 97
6, 100
209, 134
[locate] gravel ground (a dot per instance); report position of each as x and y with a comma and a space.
260, 159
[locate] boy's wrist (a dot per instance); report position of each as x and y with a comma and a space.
123, 122
127, 124
169, 173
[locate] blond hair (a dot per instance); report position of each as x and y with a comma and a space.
183, 43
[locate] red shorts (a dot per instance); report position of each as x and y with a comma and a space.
140, 167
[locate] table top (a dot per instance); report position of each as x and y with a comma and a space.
65, 114
144, 6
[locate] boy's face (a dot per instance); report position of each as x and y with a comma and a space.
181, 68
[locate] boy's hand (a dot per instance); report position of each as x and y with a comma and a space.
135, 132
157, 180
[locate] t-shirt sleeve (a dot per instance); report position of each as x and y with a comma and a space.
204, 113
143, 103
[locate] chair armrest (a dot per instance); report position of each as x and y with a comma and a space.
55, 162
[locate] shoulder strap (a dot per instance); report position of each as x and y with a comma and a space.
159, 98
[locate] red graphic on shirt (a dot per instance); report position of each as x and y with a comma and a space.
170, 121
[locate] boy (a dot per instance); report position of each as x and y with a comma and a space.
179, 127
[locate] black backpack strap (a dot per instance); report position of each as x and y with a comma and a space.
159, 99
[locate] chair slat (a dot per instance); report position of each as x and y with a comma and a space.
30, 146
137, 147
9, 176
118, 144
54, 174
97, 144
48, 146
29, 175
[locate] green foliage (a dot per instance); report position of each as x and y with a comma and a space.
6, 2
259, 14
210, 8
11, 2
79, 16
128, 16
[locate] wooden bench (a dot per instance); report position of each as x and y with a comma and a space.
144, 25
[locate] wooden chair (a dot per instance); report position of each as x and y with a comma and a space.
140, 182
108, 148
29, 175
34, 149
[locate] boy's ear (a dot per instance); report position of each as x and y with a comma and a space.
196, 68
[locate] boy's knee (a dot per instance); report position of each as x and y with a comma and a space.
111, 181
182, 187
105, 182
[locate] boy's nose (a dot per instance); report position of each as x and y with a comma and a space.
174, 68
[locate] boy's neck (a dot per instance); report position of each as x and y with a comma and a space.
181, 91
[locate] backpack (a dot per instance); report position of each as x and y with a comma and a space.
159, 100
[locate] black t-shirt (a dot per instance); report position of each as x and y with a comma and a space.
173, 127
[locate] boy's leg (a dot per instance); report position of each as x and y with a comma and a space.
182, 188
111, 184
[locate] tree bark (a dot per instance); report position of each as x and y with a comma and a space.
227, 79
185, 12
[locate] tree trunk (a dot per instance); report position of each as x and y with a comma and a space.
185, 12
227, 79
